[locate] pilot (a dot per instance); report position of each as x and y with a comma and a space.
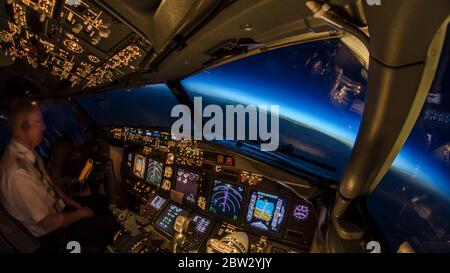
29, 195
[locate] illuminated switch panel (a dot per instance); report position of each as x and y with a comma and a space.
106, 73
44, 7
90, 22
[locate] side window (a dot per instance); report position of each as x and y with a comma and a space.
61, 121
412, 203
147, 106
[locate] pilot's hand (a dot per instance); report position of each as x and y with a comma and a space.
86, 212
76, 205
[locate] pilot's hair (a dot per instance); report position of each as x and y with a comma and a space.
18, 113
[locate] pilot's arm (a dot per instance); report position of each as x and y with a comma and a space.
34, 205
55, 221
69, 201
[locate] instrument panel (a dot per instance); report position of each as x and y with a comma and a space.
173, 177
74, 40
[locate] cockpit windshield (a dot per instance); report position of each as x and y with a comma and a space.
411, 204
145, 106
319, 88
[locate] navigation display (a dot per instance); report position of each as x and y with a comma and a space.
139, 166
167, 218
265, 211
226, 199
187, 183
154, 172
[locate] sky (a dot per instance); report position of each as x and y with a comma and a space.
298, 78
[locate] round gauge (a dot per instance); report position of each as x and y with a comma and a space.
166, 185
170, 158
301, 213
73, 46
156, 143
168, 172
201, 202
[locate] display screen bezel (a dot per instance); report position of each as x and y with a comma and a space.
165, 211
200, 181
221, 216
162, 172
135, 157
283, 221
156, 195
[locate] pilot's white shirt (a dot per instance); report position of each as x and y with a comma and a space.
24, 190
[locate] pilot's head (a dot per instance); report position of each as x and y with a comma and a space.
26, 122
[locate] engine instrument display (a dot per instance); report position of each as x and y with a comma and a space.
154, 173
187, 183
226, 199
167, 218
265, 211
230, 196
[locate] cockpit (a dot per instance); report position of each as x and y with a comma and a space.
168, 179
212, 127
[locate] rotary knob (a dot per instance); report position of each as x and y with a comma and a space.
104, 32
121, 217
77, 28
96, 39
87, 69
